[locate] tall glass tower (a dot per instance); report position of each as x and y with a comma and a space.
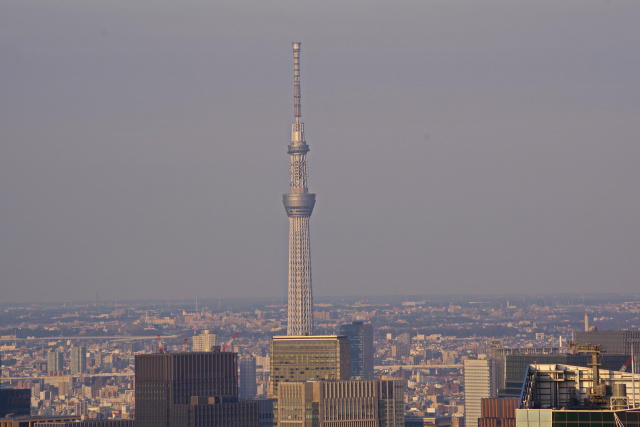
78, 363
360, 336
248, 383
299, 205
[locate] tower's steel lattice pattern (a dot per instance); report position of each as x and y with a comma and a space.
299, 206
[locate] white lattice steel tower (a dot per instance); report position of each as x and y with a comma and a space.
299, 205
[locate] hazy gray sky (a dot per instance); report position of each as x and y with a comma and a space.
456, 146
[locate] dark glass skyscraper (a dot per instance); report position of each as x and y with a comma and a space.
360, 336
15, 401
198, 389
248, 383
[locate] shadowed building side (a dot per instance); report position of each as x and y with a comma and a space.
360, 336
167, 382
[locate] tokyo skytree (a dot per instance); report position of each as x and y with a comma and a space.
299, 205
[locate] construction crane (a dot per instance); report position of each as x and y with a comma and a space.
160, 347
626, 365
184, 344
228, 343
598, 391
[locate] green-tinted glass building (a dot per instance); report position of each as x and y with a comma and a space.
577, 418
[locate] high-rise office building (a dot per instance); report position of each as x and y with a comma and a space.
248, 383
612, 342
55, 362
478, 384
302, 358
205, 341
77, 359
586, 322
360, 336
621, 343
377, 403
299, 205
191, 389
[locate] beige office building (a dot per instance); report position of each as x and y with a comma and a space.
313, 357
478, 384
358, 403
204, 341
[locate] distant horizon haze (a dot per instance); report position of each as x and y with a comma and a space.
585, 299
456, 147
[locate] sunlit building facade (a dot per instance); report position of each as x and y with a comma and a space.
205, 341
303, 358
478, 384
378, 403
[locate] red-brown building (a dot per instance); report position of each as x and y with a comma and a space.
498, 412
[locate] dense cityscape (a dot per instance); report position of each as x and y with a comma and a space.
422, 341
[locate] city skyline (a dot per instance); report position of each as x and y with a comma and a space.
423, 345
463, 147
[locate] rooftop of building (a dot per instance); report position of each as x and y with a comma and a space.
567, 387
306, 337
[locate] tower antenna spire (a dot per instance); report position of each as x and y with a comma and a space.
297, 109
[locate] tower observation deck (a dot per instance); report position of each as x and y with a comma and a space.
298, 204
